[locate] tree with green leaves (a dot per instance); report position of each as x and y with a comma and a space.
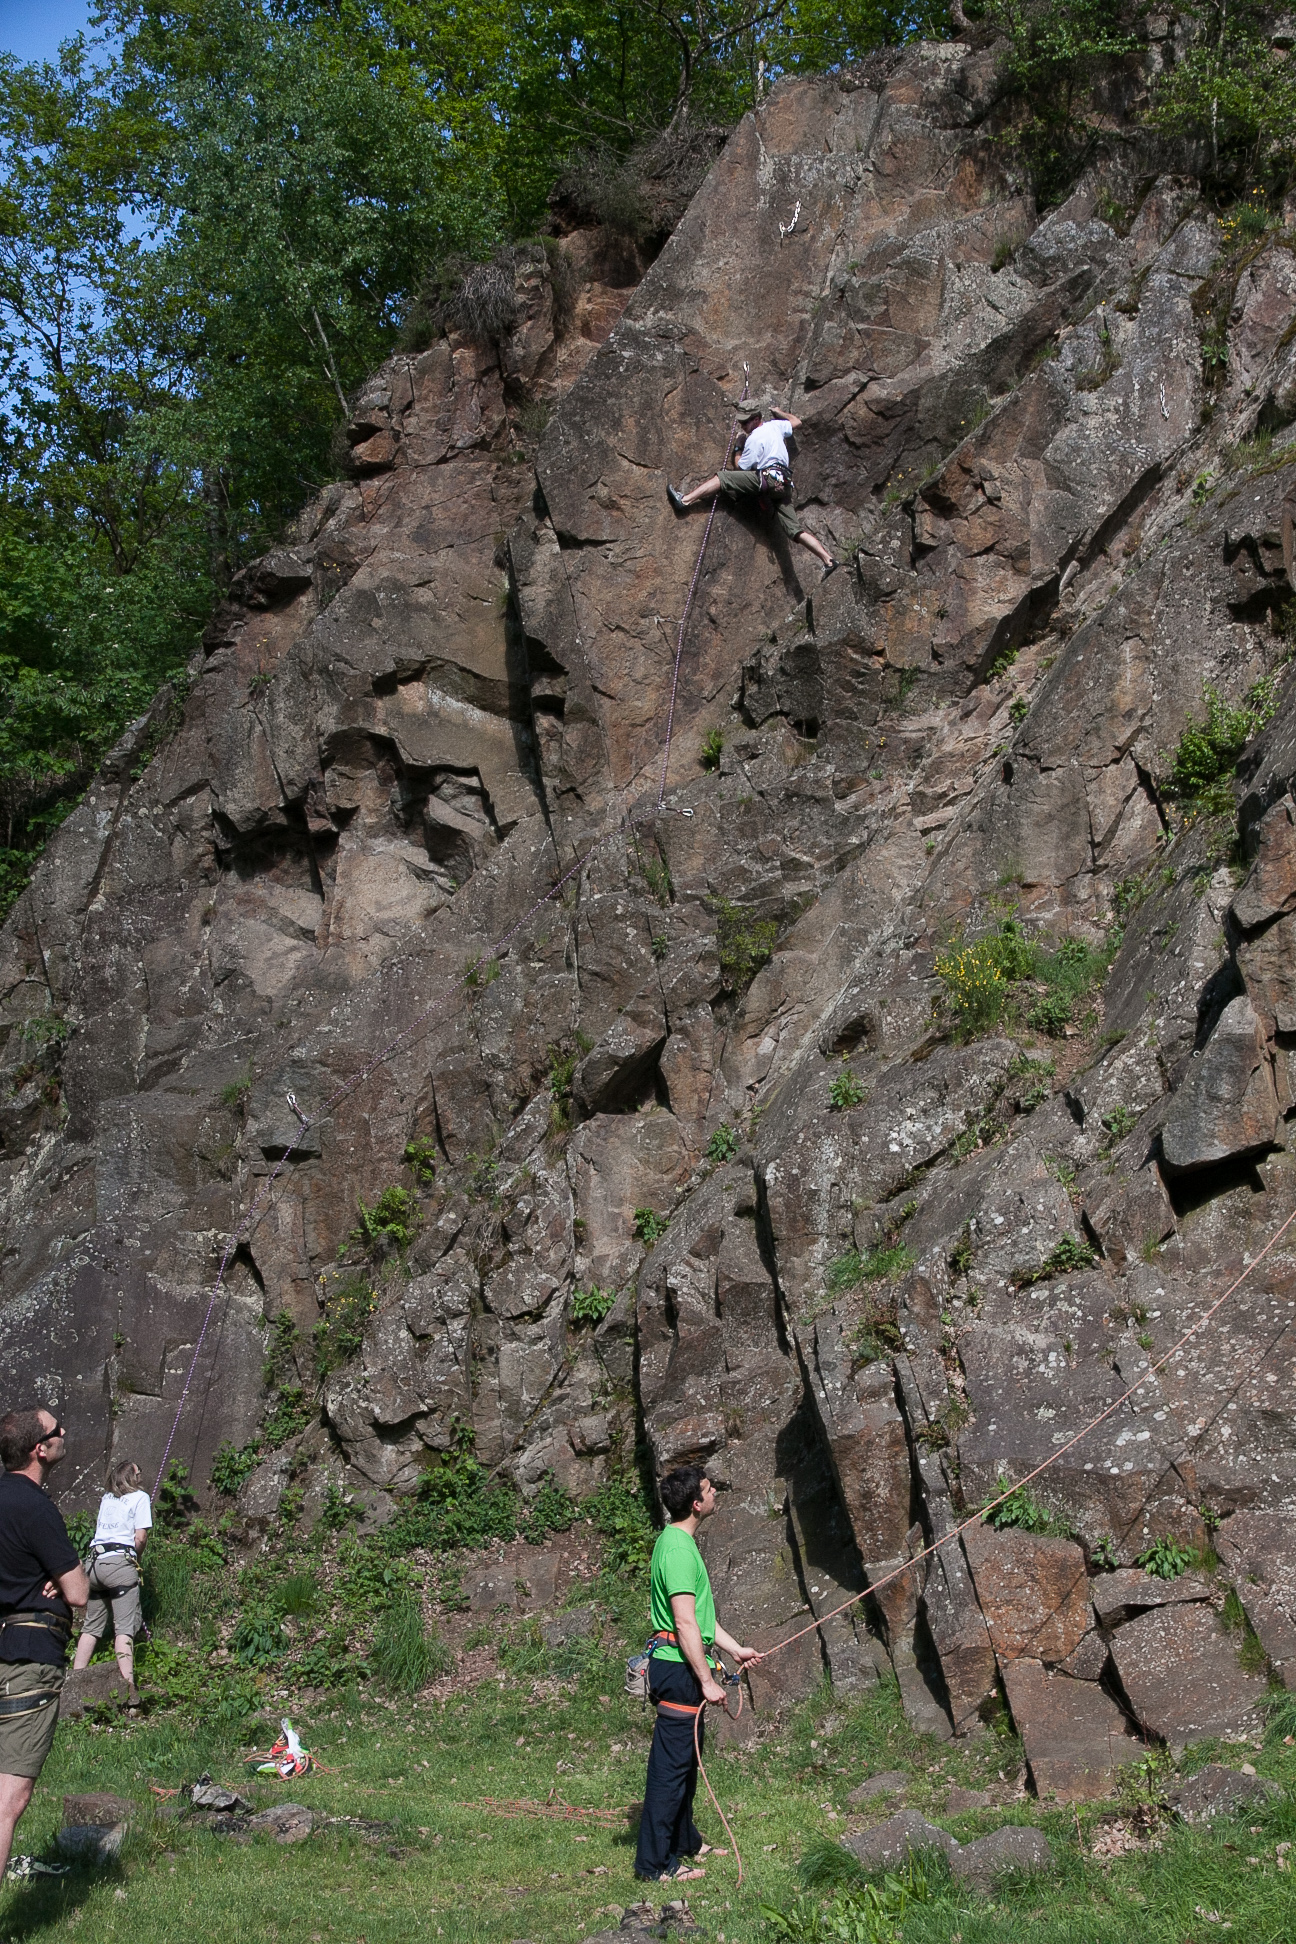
1233, 94
214, 221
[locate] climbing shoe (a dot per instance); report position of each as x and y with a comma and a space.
676, 499
831, 568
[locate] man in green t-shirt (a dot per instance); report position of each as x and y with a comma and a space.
681, 1679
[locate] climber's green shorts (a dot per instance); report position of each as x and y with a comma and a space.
29, 1706
746, 485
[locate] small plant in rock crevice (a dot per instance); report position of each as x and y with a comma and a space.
1000, 974
844, 1091
1166, 1558
1022, 1511
236, 1093
1119, 1122
1068, 1255
960, 1256
389, 1225
723, 1145
883, 1263
591, 1305
711, 750
421, 1158
941, 1431
349, 1302
563, 1062
649, 1227
1206, 759
745, 944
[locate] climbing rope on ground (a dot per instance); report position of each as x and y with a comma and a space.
555, 1810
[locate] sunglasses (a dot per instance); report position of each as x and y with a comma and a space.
50, 1436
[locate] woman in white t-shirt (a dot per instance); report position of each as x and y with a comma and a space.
125, 1517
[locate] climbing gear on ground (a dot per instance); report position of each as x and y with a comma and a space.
287, 1758
22, 1868
676, 498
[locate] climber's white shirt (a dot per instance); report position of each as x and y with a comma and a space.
120, 1518
766, 445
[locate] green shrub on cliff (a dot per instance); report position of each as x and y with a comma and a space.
1206, 759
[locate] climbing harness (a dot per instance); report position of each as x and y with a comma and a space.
776, 479
53, 1623
25, 1704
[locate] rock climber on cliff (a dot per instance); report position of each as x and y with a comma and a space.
681, 1680
763, 474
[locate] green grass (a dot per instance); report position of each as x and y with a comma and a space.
450, 1870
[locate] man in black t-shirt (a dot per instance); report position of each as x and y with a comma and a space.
41, 1580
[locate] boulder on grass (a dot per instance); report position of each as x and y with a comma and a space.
906, 1834
1181, 1676
91, 1842
1011, 1848
979, 1864
1074, 1735
892, 1782
1219, 1791
287, 1822
90, 1687
99, 1811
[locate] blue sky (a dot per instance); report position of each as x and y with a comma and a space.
32, 29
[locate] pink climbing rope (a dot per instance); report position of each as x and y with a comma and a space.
430, 1012
688, 605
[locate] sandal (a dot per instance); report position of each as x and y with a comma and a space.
709, 1849
675, 1872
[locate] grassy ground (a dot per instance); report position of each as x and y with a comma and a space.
450, 1870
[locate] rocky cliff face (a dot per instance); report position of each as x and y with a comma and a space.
874, 1298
